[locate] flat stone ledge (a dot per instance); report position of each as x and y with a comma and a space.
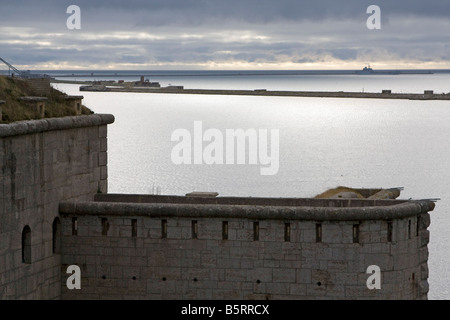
34, 99
51, 124
74, 97
403, 210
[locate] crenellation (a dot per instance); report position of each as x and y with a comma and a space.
319, 263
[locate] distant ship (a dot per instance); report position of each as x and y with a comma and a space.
369, 70
366, 70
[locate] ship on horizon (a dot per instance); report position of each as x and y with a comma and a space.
367, 70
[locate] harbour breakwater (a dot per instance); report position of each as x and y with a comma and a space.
385, 94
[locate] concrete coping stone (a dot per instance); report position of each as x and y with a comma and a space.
34, 99
202, 194
74, 97
255, 212
51, 124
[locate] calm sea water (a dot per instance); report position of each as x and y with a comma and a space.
324, 142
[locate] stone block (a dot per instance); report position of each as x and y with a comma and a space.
103, 145
284, 275
337, 266
271, 263
332, 233
424, 273
423, 287
424, 237
264, 275
209, 260
423, 254
102, 158
238, 275
130, 272
139, 261
275, 288
102, 132
103, 186
346, 279
424, 221
316, 291
103, 173
297, 290
321, 278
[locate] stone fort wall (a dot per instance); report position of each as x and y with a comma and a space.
55, 212
42, 163
161, 247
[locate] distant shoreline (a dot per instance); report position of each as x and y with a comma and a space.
205, 73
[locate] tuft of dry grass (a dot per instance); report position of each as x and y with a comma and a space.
332, 192
12, 89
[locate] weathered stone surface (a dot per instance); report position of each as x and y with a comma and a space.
395, 211
44, 162
52, 124
228, 269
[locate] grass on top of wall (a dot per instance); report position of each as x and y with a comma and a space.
12, 89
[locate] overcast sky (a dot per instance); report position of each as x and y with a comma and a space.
229, 34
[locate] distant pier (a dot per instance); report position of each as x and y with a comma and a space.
385, 94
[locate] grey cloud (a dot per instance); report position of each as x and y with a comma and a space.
139, 13
188, 31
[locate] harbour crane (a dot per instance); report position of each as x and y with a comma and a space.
11, 67
22, 74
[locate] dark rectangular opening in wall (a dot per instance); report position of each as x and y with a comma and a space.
224, 230
164, 229
389, 231
194, 229
26, 245
409, 229
318, 232
74, 226
105, 227
356, 233
255, 230
134, 228
287, 231
56, 239
417, 226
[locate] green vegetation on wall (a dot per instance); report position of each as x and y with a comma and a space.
12, 89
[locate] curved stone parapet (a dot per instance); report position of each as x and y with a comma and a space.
248, 248
51, 124
386, 212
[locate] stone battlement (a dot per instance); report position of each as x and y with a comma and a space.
172, 247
